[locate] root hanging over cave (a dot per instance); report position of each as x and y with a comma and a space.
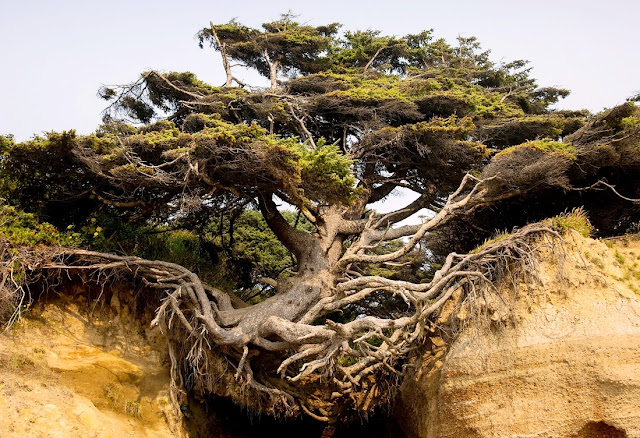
270, 361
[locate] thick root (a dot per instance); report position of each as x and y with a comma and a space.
285, 367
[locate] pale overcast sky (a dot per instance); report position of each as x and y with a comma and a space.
54, 55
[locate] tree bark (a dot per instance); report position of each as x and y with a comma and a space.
273, 69
223, 52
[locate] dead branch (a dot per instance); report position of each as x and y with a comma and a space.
612, 188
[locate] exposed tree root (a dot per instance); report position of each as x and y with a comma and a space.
282, 366
286, 355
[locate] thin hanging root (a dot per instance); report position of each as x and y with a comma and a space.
245, 353
176, 392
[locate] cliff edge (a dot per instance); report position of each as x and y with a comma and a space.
565, 364
75, 368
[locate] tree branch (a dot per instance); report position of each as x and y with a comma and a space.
373, 58
353, 254
612, 188
223, 52
399, 215
303, 127
294, 240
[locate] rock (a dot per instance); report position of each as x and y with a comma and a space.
72, 375
568, 367
88, 415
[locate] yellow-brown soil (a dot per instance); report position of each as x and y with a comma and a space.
74, 368
567, 366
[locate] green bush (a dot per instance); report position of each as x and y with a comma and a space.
576, 220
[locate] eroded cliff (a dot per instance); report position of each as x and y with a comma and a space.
75, 367
566, 363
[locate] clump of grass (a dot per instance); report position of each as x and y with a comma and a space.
576, 220
26, 363
347, 360
112, 395
501, 235
21, 362
133, 409
598, 262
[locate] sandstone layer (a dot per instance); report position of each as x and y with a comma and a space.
78, 368
567, 365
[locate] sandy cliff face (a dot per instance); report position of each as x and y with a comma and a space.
568, 367
77, 368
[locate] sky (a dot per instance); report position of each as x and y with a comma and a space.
54, 55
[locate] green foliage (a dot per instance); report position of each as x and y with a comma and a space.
460, 128
370, 87
115, 128
192, 83
467, 99
545, 145
508, 131
531, 167
177, 246
197, 122
292, 46
6, 143
20, 229
360, 48
112, 232
326, 174
249, 238
162, 126
618, 123
164, 138
434, 153
439, 95
629, 122
286, 164
248, 249
575, 220
42, 176
231, 134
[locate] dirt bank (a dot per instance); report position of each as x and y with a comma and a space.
82, 368
567, 365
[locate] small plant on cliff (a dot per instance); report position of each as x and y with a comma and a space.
112, 395
575, 220
133, 409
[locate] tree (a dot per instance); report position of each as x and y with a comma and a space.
283, 46
360, 116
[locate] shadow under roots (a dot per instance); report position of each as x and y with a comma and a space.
220, 418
